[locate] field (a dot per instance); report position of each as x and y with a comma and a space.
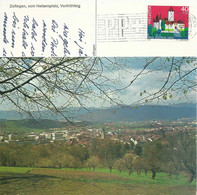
22, 181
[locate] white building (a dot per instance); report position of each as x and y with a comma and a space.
57, 136
134, 141
48, 135
12, 136
1, 137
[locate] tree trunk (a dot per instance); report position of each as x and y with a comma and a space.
190, 178
130, 171
139, 171
145, 171
153, 174
110, 169
170, 175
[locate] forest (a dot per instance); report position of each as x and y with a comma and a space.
173, 154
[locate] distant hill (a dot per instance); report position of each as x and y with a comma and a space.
11, 115
143, 113
71, 113
31, 124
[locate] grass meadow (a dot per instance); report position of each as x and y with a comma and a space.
41, 181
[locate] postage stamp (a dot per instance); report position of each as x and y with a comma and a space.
168, 22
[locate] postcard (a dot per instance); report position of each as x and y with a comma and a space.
98, 97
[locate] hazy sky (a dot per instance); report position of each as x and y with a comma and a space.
151, 80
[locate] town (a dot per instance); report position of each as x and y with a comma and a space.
125, 132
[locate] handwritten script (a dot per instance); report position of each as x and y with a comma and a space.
28, 35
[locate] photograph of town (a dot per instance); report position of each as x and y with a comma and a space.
99, 125
168, 22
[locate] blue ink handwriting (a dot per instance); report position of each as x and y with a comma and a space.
4, 52
13, 38
32, 50
5, 28
25, 33
81, 34
54, 25
15, 20
44, 42
33, 32
54, 44
64, 39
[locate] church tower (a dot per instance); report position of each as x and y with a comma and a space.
171, 15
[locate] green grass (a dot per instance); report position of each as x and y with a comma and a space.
169, 29
19, 180
15, 169
161, 178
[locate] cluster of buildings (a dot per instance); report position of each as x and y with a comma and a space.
124, 132
32, 137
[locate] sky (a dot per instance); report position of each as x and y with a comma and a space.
150, 81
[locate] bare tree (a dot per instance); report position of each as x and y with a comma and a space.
176, 77
153, 157
129, 162
32, 84
181, 150
93, 162
120, 164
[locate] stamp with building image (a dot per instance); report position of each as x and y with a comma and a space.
168, 22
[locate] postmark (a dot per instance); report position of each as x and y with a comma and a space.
168, 22
192, 26
121, 27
